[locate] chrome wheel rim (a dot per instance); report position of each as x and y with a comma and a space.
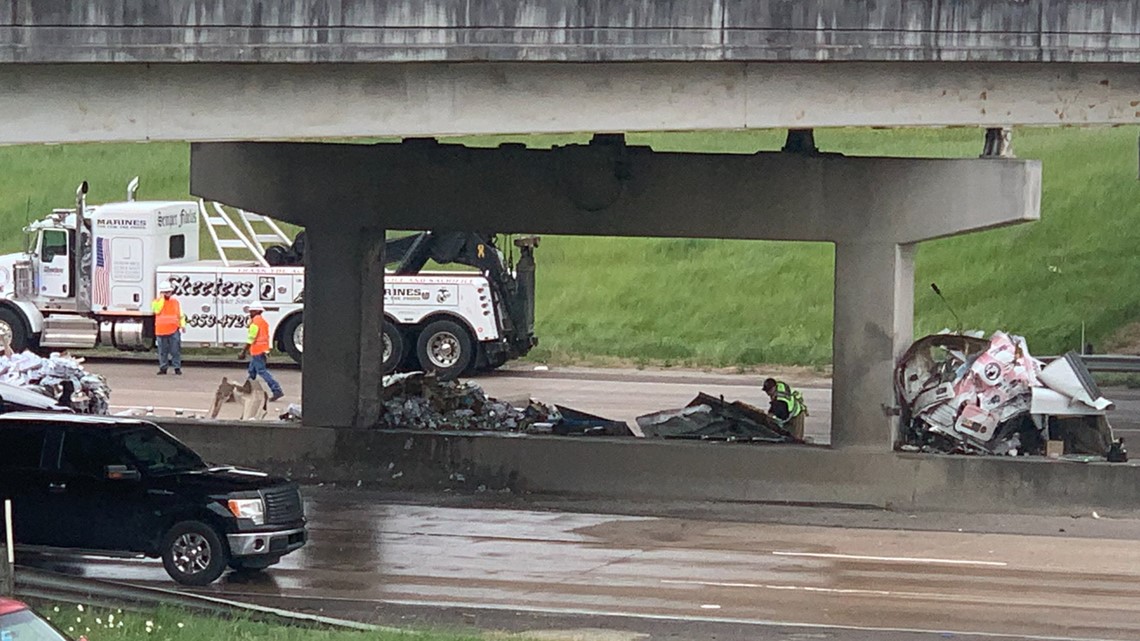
443, 350
192, 553
387, 347
299, 338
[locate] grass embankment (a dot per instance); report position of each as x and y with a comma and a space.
746, 303
168, 624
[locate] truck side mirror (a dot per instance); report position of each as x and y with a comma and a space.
122, 473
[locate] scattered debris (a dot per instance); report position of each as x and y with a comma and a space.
59, 377
575, 422
252, 396
963, 394
711, 418
291, 413
415, 400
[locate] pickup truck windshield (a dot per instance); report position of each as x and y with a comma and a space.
158, 453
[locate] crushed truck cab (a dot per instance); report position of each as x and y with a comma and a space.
89, 274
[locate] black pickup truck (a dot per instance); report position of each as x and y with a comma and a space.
116, 486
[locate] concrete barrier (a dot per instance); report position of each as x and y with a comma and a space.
670, 470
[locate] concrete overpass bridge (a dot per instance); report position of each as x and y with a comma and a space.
240, 77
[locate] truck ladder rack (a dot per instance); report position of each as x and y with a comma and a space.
275, 235
240, 240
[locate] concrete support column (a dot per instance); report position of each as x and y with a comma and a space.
874, 324
344, 299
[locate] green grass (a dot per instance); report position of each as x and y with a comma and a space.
746, 303
169, 624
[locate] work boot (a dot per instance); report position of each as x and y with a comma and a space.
162, 371
276, 397
178, 371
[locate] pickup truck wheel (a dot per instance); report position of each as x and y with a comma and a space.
12, 329
293, 337
193, 553
393, 341
444, 347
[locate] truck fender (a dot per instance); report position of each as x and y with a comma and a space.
31, 315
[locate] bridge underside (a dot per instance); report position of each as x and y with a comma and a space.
873, 209
203, 101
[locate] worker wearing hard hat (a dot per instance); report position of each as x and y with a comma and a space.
169, 323
257, 347
787, 406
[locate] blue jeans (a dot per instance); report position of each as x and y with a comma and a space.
257, 368
170, 351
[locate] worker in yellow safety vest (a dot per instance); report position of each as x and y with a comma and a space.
169, 323
257, 347
787, 406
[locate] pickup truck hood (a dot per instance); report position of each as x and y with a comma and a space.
227, 480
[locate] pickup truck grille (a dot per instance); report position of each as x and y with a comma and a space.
283, 505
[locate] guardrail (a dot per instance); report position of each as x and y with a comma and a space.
1120, 363
1112, 363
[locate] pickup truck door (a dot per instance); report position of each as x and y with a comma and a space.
96, 512
24, 452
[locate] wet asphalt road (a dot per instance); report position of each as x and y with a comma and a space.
694, 574
755, 573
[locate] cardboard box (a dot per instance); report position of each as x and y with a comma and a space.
1054, 449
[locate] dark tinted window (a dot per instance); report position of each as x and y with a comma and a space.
88, 452
21, 446
178, 246
156, 452
55, 244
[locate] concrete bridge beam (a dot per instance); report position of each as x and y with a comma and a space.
873, 209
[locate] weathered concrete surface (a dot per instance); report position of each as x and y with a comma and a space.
344, 296
608, 188
627, 469
108, 102
873, 326
567, 30
868, 206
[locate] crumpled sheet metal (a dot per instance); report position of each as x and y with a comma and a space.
963, 394
711, 418
55, 375
415, 400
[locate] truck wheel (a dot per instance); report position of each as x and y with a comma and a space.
193, 553
293, 337
12, 328
444, 347
393, 348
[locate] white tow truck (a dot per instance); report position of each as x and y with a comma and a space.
94, 288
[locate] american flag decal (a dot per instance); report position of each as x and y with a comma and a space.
101, 280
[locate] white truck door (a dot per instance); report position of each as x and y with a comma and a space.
55, 264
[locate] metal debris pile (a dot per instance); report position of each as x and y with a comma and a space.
59, 377
711, 418
963, 394
421, 401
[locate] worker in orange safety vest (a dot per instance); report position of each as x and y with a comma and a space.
169, 324
257, 348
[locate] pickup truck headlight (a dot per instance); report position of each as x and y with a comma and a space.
252, 509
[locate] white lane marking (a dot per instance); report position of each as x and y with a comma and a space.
661, 617
892, 559
809, 588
